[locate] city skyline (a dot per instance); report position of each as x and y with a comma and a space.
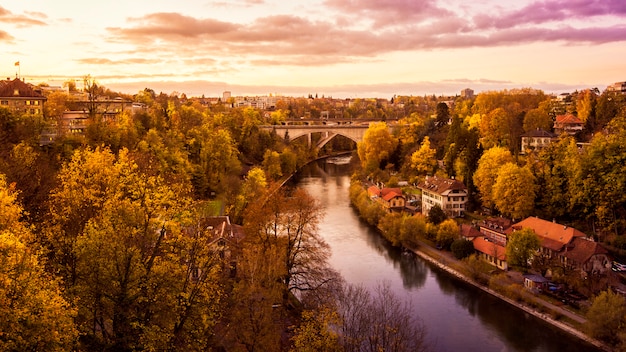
339, 48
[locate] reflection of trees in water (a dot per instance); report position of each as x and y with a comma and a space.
523, 331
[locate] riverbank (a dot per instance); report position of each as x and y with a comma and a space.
441, 260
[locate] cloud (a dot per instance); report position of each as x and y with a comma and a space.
6, 37
549, 11
28, 20
443, 87
366, 29
103, 61
390, 12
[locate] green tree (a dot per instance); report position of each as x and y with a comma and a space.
462, 248
487, 172
521, 246
436, 215
376, 148
606, 317
514, 191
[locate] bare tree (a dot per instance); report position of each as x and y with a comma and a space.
378, 321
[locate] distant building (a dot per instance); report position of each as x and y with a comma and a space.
449, 194
569, 124
467, 93
536, 140
225, 96
21, 97
619, 87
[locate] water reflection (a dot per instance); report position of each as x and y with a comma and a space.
458, 316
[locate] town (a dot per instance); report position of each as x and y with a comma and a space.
528, 183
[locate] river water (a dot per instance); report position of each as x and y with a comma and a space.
457, 316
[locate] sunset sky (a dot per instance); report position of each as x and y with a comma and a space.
339, 48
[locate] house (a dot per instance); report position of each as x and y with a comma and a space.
618, 87
495, 229
391, 199
469, 232
569, 124
536, 283
536, 140
222, 238
570, 246
449, 194
553, 236
491, 252
20, 97
587, 255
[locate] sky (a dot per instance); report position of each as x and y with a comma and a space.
332, 48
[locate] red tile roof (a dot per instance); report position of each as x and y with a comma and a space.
441, 186
469, 231
482, 245
390, 193
552, 234
373, 191
8, 89
568, 119
581, 250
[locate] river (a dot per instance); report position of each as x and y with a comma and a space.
458, 316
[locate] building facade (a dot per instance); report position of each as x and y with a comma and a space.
449, 194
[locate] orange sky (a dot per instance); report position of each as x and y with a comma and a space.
339, 48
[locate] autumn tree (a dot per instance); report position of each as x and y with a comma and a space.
537, 119
377, 146
521, 246
514, 191
423, 160
487, 172
285, 224
35, 315
447, 232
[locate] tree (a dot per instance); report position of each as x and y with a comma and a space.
606, 317
376, 148
447, 232
35, 315
537, 119
315, 332
423, 160
462, 248
271, 164
443, 114
436, 215
378, 321
514, 191
285, 225
487, 172
521, 247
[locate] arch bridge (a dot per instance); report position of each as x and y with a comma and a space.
353, 132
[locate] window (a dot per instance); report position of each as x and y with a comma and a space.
4, 102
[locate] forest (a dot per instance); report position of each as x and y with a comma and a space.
101, 232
